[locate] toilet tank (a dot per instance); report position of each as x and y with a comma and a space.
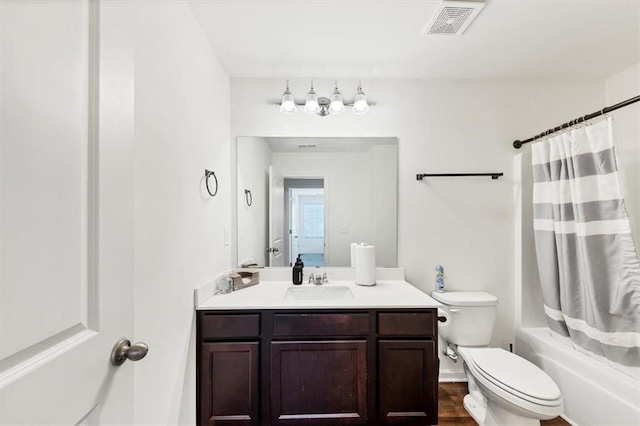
472, 315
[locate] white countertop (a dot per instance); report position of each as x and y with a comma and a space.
271, 295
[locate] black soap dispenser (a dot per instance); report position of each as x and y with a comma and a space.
297, 272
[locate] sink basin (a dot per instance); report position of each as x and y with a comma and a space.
329, 292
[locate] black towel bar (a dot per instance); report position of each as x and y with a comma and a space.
424, 175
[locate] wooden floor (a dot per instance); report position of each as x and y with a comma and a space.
451, 411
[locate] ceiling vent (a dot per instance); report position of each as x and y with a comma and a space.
453, 17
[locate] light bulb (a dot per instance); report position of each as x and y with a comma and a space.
360, 105
311, 105
336, 106
288, 104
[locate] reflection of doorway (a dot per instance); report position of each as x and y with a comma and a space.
305, 215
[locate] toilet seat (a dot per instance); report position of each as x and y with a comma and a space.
513, 381
516, 375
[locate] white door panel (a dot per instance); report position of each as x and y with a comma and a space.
67, 211
45, 92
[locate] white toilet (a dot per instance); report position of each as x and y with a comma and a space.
504, 389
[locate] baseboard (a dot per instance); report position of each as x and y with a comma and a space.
452, 376
568, 420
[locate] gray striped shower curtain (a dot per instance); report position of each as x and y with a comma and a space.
588, 265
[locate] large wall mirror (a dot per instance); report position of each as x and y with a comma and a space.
313, 197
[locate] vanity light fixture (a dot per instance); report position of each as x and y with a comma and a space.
324, 106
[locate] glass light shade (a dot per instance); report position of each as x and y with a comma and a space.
360, 105
288, 105
311, 105
336, 106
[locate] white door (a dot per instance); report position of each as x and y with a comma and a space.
67, 212
276, 218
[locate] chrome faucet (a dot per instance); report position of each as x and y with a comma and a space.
319, 279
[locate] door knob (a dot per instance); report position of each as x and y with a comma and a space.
124, 350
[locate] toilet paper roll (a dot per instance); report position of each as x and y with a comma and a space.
443, 318
353, 253
365, 265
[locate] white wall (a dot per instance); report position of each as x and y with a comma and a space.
619, 87
443, 126
181, 127
253, 174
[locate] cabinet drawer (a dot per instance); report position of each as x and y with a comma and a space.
311, 325
222, 326
407, 324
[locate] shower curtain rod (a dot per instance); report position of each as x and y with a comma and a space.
518, 143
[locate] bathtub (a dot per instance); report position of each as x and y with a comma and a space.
594, 393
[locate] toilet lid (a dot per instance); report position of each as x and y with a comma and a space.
516, 373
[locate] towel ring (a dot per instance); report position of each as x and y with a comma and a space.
248, 197
207, 175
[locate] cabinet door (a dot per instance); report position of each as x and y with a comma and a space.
319, 382
407, 382
229, 384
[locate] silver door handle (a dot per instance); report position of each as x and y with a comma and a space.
124, 350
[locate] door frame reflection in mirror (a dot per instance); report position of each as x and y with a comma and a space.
375, 200
307, 187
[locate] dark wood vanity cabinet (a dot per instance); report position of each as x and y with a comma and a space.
317, 367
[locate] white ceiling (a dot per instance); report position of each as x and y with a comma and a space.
382, 38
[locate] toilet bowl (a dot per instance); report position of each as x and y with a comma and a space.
504, 389
516, 391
